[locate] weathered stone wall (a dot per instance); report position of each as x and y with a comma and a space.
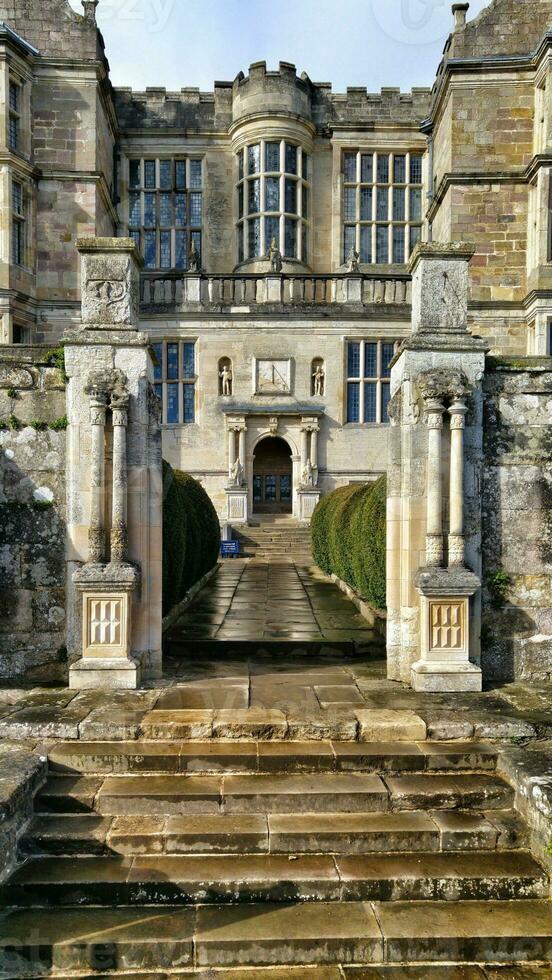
517, 521
32, 518
47, 23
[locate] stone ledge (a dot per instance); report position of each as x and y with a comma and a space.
529, 772
22, 773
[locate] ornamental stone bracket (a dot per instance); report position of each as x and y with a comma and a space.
114, 479
435, 462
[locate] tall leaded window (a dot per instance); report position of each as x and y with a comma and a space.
175, 380
14, 116
382, 205
165, 210
368, 380
18, 223
273, 200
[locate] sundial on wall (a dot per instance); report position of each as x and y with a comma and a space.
273, 377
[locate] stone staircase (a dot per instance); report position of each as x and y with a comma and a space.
189, 856
276, 539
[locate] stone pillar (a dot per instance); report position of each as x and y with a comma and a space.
456, 548
96, 527
114, 600
433, 580
231, 451
314, 449
308, 493
241, 446
434, 411
119, 532
304, 449
237, 493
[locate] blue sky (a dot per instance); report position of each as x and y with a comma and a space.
176, 43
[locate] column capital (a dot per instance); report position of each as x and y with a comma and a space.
434, 411
458, 411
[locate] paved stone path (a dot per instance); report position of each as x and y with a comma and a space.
272, 601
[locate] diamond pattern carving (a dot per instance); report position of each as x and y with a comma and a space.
105, 622
447, 625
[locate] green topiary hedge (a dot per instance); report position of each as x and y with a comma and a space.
349, 538
191, 535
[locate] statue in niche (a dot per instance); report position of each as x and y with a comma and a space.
319, 378
237, 474
227, 378
194, 259
275, 257
353, 261
308, 475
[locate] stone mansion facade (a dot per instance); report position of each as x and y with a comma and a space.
276, 219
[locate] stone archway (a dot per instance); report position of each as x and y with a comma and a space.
272, 477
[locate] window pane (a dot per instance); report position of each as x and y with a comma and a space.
399, 244
270, 489
382, 244
17, 242
353, 402
291, 238
349, 204
195, 239
195, 209
189, 403
150, 216
272, 230
195, 173
305, 165
135, 210
14, 133
387, 355
366, 243
415, 168
17, 197
149, 174
137, 239
304, 243
349, 240
14, 97
285, 487
365, 203
166, 215
370, 401
415, 203
181, 253
385, 399
159, 392
188, 360
257, 489
291, 196
172, 362
383, 168
180, 209
370, 360
172, 405
134, 173
165, 250
254, 158
415, 236
254, 237
254, 196
291, 159
241, 254
353, 360
240, 201
165, 175
350, 167
305, 202
272, 157
272, 191
399, 169
158, 368
150, 249
382, 204
240, 165
399, 204
367, 168
180, 175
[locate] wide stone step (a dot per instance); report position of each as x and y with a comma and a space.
240, 757
257, 936
306, 833
158, 880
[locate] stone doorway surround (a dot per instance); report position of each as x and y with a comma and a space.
247, 426
273, 477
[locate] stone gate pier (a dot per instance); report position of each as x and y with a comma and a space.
434, 485
114, 479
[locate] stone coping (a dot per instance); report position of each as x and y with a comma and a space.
172, 617
22, 773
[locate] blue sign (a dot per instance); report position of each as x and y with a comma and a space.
230, 549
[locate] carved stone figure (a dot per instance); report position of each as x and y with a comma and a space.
308, 477
227, 379
353, 263
237, 474
275, 257
319, 380
194, 259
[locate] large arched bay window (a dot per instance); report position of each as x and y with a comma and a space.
273, 199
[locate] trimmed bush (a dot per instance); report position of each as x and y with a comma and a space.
191, 535
349, 538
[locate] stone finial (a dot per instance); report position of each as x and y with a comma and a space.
460, 10
90, 10
440, 287
110, 285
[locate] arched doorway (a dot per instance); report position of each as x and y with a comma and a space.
272, 477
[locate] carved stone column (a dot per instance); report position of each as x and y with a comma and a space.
304, 449
231, 451
456, 543
434, 410
241, 445
119, 530
314, 449
96, 528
